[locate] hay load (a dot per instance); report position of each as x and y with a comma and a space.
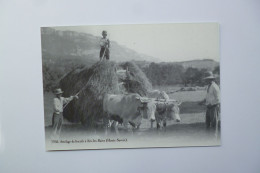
101, 79
136, 81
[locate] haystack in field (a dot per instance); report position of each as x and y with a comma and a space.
93, 84
136, 81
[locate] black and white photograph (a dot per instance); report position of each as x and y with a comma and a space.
131, 86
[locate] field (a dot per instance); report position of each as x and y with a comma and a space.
184, 96
190, 131
191, 111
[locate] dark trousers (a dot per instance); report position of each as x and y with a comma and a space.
57, 120
212, 116
104, 52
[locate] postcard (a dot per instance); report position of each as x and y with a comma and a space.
131, 86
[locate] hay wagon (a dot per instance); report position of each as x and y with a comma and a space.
94, 82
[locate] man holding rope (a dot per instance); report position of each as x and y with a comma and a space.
57, 118
104, 46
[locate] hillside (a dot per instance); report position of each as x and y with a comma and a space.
64, 51
83, 46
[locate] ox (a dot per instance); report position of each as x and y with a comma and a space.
158, 94
161, 112
123, 109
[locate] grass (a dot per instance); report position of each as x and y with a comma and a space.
190, 99
183, 96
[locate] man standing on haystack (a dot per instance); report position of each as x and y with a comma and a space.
57, 118
104, 46
212, 102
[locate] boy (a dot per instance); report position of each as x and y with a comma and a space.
104, 45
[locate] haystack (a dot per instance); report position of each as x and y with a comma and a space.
136, 81
93, 84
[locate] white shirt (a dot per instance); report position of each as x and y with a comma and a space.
104, 42
58, 103
213, 94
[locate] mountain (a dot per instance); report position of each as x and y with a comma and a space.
64, 51
56, 43
59, 47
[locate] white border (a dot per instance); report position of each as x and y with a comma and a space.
21, 99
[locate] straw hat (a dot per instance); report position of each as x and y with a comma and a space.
210, 75
58, 91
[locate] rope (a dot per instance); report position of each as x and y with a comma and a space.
87, 82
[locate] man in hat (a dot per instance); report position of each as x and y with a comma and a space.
104, 46
212, 102
58, 103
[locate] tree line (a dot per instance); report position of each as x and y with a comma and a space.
176, 74
158, 74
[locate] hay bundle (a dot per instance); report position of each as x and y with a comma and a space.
93, 83
101, 78
136, 81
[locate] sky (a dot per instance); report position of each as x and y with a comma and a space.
168, 42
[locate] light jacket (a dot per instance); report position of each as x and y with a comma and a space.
58, 103
213, 94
